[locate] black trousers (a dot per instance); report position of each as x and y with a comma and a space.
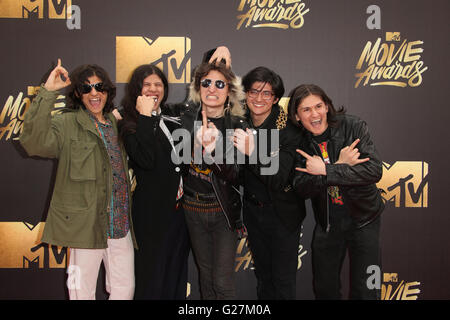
214, 245
274, 250
328, 253
161, 267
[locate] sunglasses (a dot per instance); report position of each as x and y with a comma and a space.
86, 88
206, 83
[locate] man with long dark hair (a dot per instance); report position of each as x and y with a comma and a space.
338, 169
146, 129
90, 207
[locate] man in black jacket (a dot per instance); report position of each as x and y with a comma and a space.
272, 212
338, 169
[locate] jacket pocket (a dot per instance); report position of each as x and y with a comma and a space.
73, 202
82, 160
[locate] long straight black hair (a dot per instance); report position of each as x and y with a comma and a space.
134, 90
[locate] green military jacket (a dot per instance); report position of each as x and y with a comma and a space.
79, 208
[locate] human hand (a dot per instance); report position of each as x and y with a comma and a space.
221, 52
145, 105
55, 79
350, 155
207, 134
314, 164
116, 114
244, 141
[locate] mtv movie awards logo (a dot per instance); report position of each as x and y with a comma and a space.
171, 54
20, 248
281, 14
405, 184
392, 289
244, 259
392, 63
14, 109
42, 9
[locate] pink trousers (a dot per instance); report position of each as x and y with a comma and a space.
84, 265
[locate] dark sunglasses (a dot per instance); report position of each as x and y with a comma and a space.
206, 83
86, 87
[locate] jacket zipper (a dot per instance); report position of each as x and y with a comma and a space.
328, 198
328, 214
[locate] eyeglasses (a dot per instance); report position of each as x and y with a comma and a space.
87, 87
266, 95
206, 83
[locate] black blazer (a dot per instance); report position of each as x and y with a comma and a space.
158, 178
289, 207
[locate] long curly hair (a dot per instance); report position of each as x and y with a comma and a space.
133, 90
79, 76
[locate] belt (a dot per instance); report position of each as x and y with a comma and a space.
199, 196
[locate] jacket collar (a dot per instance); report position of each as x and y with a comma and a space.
86, 123
269, 121
194, 113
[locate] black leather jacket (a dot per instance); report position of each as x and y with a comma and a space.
224, 177
357, 184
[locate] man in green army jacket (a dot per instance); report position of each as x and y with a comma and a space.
90, 206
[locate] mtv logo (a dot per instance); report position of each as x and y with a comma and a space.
36, 9
405, 183
390, 277
20, 247
30, 14
171, 54
392, 36
31, 264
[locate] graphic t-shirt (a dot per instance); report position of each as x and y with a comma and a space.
337, 207
198, 178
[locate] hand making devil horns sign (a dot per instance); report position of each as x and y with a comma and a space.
350, 155
316, 166
55, 79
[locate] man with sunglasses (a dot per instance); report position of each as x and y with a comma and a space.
272, 212
90, 206
211, 201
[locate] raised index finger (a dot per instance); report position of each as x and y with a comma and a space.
304, 154
353, 145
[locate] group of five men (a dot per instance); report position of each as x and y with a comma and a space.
321, 153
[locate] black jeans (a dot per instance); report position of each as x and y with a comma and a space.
214, 245
328, 253
274, 250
